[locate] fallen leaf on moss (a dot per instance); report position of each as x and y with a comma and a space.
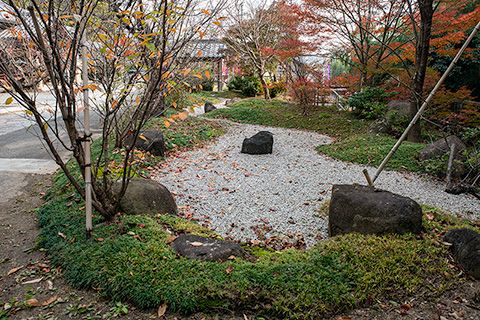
162, 309
171, 239
229, 270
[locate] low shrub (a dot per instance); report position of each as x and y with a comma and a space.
249, 85
370, 103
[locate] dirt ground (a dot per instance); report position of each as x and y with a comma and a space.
30, 288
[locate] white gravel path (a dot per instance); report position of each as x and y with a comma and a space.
232, 192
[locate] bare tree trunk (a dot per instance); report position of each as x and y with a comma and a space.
265, 87
422, 48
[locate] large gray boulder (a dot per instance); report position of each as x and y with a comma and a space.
381, 125
260, 143
398, 107
201, 248
149, 140
233, 100
440, 147
367, 210
146, 196
466, 249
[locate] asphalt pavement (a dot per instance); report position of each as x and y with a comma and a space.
22, 151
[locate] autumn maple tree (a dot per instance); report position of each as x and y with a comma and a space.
257, 34
136, 57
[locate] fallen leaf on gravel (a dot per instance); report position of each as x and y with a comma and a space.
344, 318
162, 309
33, 281
196, 244
171, 239
49, 285
229, 270
33, 303
14, 270
49, 301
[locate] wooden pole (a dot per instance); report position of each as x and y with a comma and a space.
87, 135
422, 108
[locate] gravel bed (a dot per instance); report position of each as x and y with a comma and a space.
253, 196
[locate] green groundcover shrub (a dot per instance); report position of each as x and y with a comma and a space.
131, 260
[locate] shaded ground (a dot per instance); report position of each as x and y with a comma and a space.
25, 273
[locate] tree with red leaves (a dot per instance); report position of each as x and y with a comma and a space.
262, 36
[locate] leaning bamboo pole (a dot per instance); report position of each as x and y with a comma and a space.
371, 181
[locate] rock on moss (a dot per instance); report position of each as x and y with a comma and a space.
147, 196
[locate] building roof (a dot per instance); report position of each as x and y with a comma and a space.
205, 49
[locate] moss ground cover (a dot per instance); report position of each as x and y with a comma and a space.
371, 149
278, 113
130, 259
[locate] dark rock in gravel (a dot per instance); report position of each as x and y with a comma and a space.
367, 210
201, 248
149, 140
466, 249
208, 107
260, 143
146, 196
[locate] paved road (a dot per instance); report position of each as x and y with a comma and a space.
22, 151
